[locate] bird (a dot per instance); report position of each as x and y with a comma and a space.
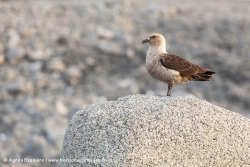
170, 68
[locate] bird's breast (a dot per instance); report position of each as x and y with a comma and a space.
156, 70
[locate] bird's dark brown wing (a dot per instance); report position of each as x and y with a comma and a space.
177, 63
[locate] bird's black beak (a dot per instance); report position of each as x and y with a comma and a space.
145, 41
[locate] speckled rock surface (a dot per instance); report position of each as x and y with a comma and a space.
139, 130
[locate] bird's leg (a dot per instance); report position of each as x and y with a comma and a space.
170, 87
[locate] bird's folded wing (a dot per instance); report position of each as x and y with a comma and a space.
177, 63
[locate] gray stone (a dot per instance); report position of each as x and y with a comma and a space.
128, 84
91, 61
19, 86
15, 88
36, 55
110, 47
36, 66
139, 130
62, 40
72, 111
13, 38
72, 74
3, 136
40, 104
53, 132
34, 147
105, 33
14, 55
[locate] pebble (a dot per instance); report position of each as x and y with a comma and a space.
110, 48
14, 55
15, 88
2, 59
105, 33
36, 66
3, 136
10, 74
72, 75
130, 53
34, 147
52, 131
91, 61
62, 40
41, 104
72, 111
19, 87
98, 99
13, 38
61, 108
128, 84
173, 11
56, 65
36, 55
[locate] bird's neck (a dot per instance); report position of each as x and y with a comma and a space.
156, 50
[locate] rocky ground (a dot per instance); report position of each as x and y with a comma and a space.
59, 56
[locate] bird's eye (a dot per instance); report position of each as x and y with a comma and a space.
153, 37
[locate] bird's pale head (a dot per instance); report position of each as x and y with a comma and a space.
155, 40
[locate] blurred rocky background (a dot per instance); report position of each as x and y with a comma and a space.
59, 56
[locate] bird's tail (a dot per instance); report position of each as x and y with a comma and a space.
206, 75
